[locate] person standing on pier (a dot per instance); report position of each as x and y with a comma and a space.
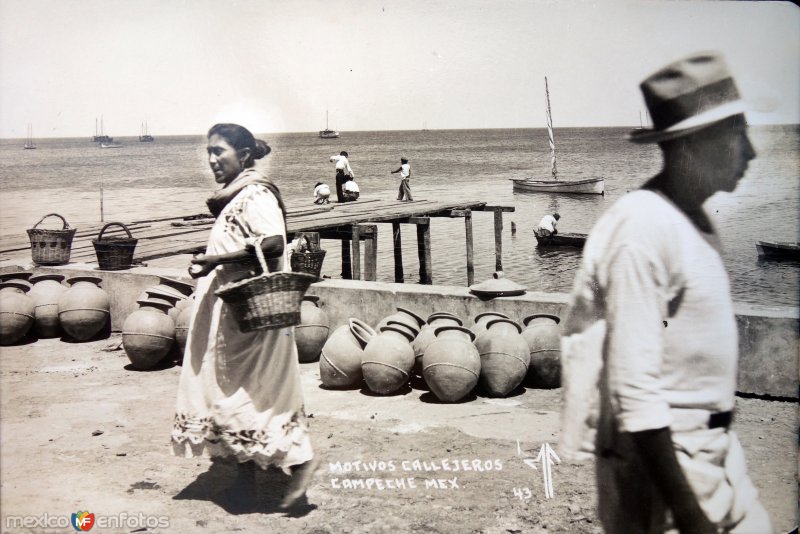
343, 170
651, 312
240, 395
404, 193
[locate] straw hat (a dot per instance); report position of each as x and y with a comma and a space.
688, 95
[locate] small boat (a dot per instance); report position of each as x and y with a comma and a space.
594, 186
101, 137
110, 145
145, 137
778, 250
328, 133
560, 240
29, 142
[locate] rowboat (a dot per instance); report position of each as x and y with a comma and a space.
591, 186
560, 240
779, 250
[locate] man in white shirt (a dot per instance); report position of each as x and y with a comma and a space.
351, 190
322, 193
342, 171
547, 226
404, 193
653, 281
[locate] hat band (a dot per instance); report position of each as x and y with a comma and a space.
712, 115
666, 114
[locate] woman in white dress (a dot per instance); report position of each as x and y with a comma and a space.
240, 394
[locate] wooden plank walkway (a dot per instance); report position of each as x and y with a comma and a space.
169, 236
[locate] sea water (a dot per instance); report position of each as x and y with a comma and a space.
170, 177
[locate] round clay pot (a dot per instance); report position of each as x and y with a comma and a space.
403, 315
504, 357
16, 275
543, 336
480, 320
148, 334
182, 323
340, 358
17, 313
388, 358
84, 308
427, 335
312, 332
46, 292
451, 364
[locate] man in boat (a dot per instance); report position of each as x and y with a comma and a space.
343, 170
322, 193
547, 226
651, 324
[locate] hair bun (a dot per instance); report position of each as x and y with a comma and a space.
262, 149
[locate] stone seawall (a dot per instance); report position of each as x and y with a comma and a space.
769, 337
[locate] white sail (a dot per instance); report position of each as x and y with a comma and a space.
550, 131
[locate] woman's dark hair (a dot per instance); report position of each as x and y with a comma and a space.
240, 138
317, 184
343, 153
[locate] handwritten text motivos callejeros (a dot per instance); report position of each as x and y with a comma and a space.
441, 468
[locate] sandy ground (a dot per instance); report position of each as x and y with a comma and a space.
82, 431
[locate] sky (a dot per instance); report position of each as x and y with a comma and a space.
279, 66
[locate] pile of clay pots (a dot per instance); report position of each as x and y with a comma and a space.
496, 352
160, 324
49, 306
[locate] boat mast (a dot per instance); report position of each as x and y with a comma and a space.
550, 131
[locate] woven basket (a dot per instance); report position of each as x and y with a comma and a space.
51, 247
114, 253
267, 301
309, 261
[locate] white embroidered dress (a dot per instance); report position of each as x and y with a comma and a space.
240, 393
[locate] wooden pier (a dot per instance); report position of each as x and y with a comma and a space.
353, 223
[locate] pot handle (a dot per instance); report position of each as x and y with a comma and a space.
530, 318
454, 327
501, 320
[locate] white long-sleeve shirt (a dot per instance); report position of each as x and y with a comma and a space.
662, 289
342, 164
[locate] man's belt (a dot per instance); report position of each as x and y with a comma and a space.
720, 420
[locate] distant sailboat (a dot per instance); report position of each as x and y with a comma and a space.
588, 186
101, 137
328, 133
144, 137
29, 143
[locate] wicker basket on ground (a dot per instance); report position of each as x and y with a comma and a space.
114, 253
307, 258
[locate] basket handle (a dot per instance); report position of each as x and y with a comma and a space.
260, 255
100, 236
66, 225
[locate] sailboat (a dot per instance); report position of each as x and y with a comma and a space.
29, 142
327, 133
144, 137
594, 186
100, 138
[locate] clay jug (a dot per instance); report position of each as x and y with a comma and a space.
504, 357
388, 358
312, 332
181, 287
15, 276
182, 323
480, 320
451, 364
16, 311
402, 315
543, 336
46, 292
148, 334
340, 358
84, 308
427, 335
